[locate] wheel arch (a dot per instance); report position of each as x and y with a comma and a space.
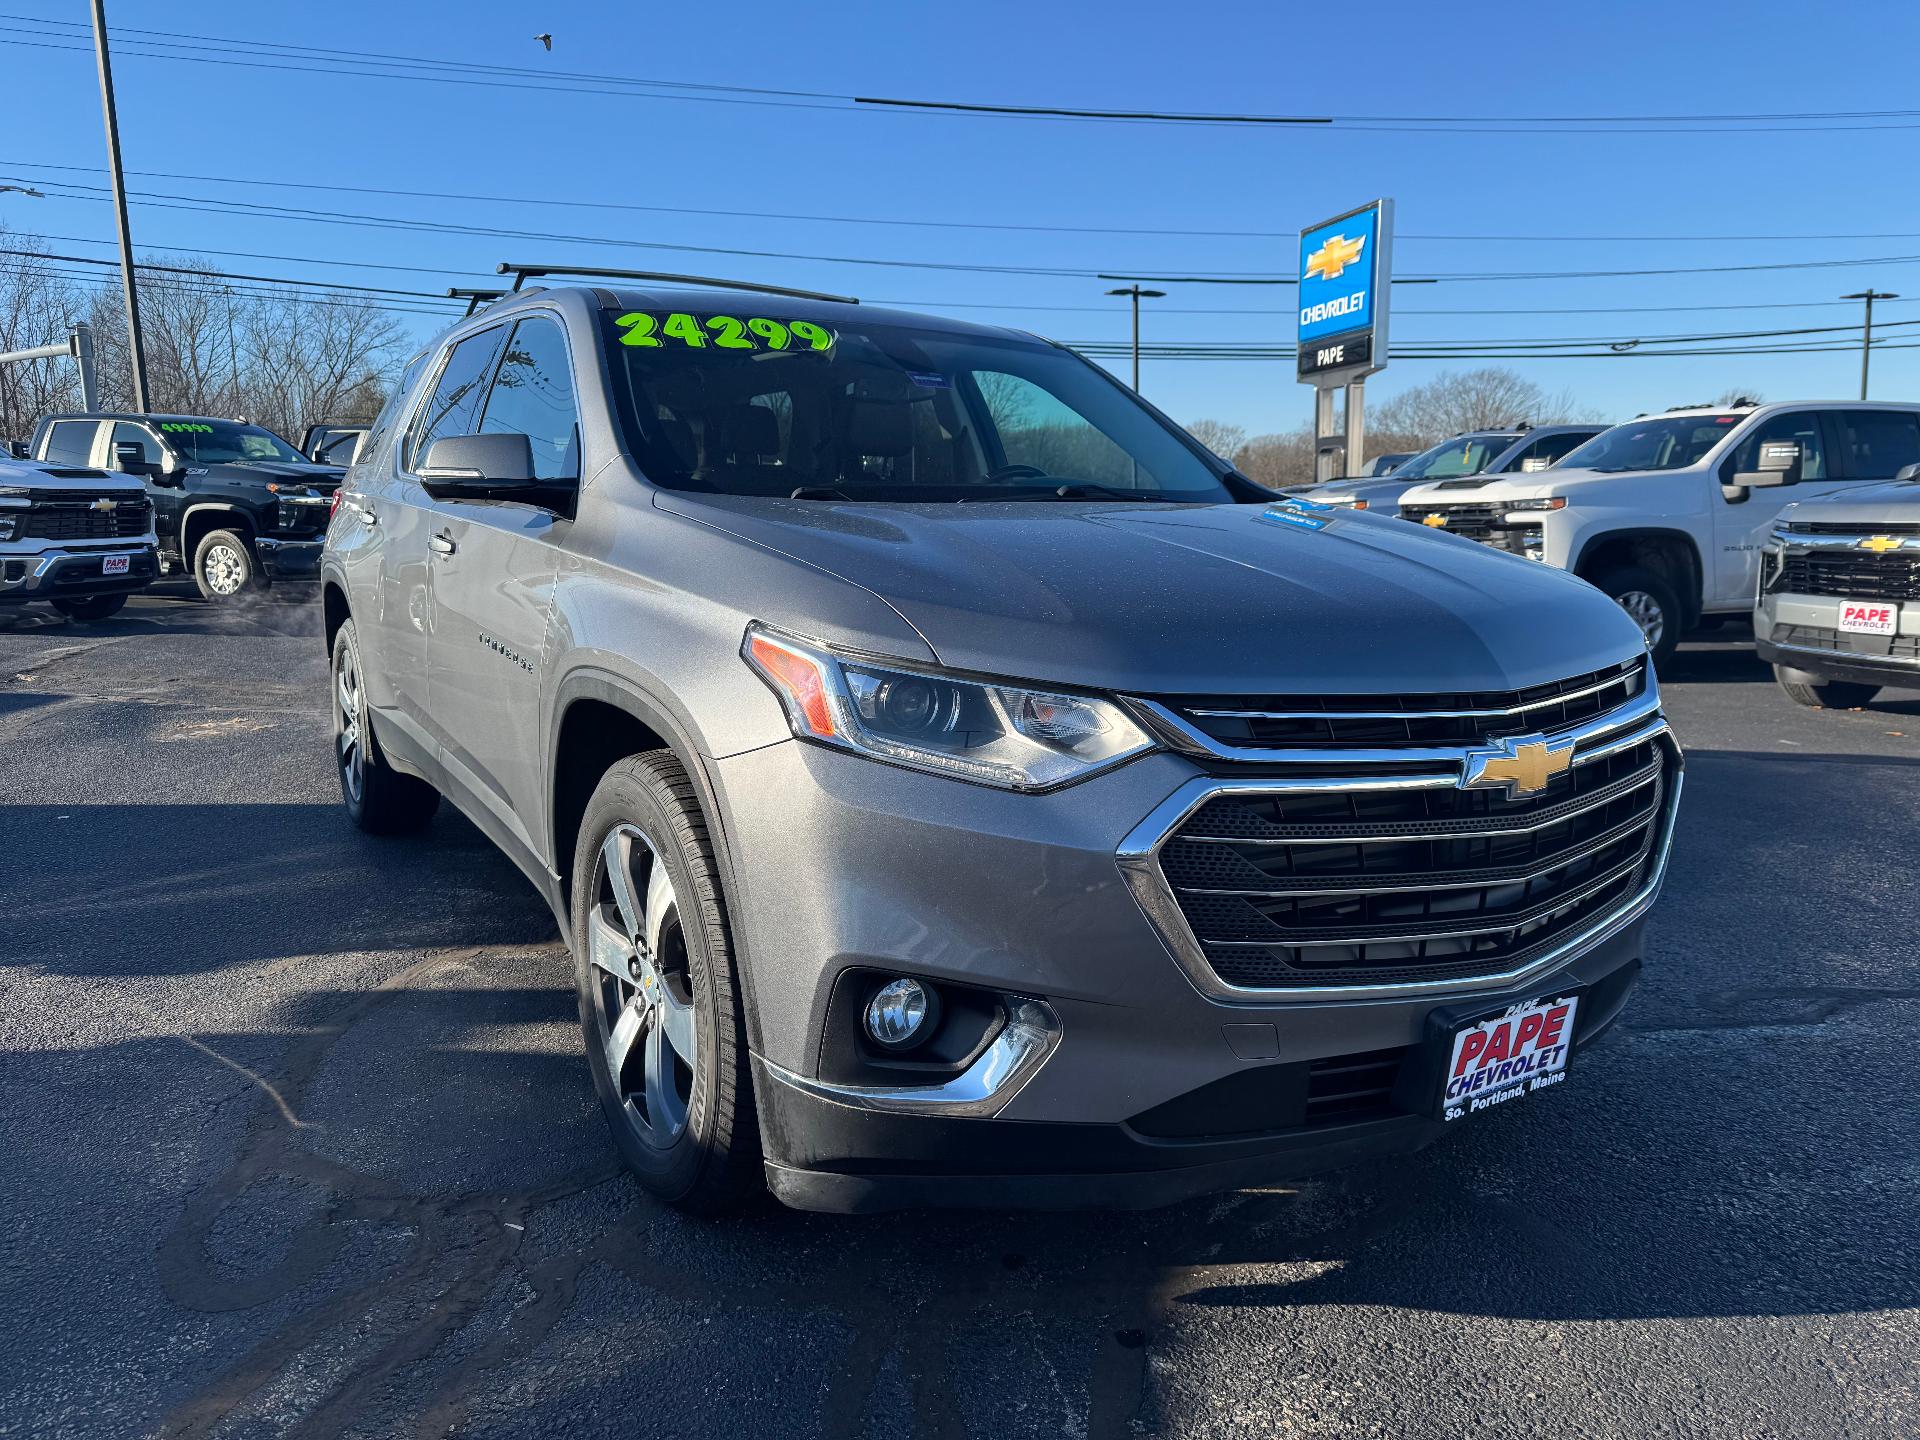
600, 718
197, 520
1671, 553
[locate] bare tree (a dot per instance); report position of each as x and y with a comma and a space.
1278, 460
1218, 436
1457, 400
37, 305
1739, 395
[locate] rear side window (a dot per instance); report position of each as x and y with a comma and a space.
532, 395
70, 442
454, 406
1879, 443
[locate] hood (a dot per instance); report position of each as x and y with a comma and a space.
282, 472
1897, 502
1193, 598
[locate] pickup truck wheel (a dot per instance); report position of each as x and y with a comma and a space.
659, 1000
380, 799
1811, 690
94, 607
1651, 603
223, 566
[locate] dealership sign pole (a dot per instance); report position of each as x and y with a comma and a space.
1346, 264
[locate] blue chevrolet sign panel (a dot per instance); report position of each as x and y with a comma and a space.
1337, 274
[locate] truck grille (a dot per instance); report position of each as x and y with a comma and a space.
75, 518
1392, 874
1477, 522
1467, 718
1850, 574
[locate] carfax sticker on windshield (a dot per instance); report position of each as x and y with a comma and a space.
929, 381
645, 331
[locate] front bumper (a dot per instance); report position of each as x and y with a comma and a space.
286, 560
1801, 632
63, 573
862, 866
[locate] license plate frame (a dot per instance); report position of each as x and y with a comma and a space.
1442, 1084
116, 564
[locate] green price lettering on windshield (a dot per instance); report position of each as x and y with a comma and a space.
185, 427
722, 332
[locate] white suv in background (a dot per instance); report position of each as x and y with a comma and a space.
1668, 513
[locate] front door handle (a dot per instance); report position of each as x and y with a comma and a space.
442, 544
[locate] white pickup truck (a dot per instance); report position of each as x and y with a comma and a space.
81, 540
1669, 513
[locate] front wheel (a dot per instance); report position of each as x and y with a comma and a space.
380, 799
1651, 603
223, 566
1818, 694
93, 607
659, 998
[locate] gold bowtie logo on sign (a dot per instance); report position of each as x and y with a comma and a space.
1523, 766
1881, 544
1330, 261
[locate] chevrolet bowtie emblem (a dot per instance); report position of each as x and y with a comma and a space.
106, 505
1523, 765
1333, 257
1881, 544
1436, 519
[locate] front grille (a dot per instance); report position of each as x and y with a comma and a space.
1482, 522
1850, 574
1467, 718
1395, 875
1837, 527
75, 518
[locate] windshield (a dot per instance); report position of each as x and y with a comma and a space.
1464, 455
1669, 443
743, 404
223, 442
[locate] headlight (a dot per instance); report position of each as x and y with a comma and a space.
8, 525
1004, 735
1556, 502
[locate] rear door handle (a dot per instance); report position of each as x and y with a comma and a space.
442, 544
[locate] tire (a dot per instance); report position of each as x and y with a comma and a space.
1653, 605
1818, 694
380, 799
94, 607
684, 1122
224, 567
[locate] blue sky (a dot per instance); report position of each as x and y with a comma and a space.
189, 114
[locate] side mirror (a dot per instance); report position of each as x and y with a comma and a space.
489, 467
1534, 464
1908, 472
1779, 463
130, 456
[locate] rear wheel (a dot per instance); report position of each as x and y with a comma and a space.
1651, 603
659, 999
380, 799
223, 566
94, 607
1811, 690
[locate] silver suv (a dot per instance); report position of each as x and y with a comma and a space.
955, 785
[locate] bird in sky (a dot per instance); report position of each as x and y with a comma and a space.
546, 40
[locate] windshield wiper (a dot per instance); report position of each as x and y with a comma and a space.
818, 492
1084, 489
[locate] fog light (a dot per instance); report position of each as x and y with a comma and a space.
900, 1015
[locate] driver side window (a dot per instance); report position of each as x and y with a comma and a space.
123, 432
1800, 426
1039, 430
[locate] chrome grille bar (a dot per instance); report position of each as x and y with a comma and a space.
1625, 677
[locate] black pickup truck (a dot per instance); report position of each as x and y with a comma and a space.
234, 503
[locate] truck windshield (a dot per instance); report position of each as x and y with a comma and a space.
1464, 455
225, 442
1666, 443
744, 404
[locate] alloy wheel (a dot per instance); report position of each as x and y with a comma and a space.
349, 724
1645, 612
643, 999
226, 570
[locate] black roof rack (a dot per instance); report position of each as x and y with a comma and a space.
474, 296
522, 273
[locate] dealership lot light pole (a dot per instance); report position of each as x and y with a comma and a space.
1866, 335
136, 350
1138, 295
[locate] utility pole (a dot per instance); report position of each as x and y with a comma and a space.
1138, 295
1866, 336
136, 350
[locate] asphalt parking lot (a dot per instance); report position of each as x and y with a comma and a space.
299, 1139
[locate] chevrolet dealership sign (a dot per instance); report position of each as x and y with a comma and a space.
1345, 264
